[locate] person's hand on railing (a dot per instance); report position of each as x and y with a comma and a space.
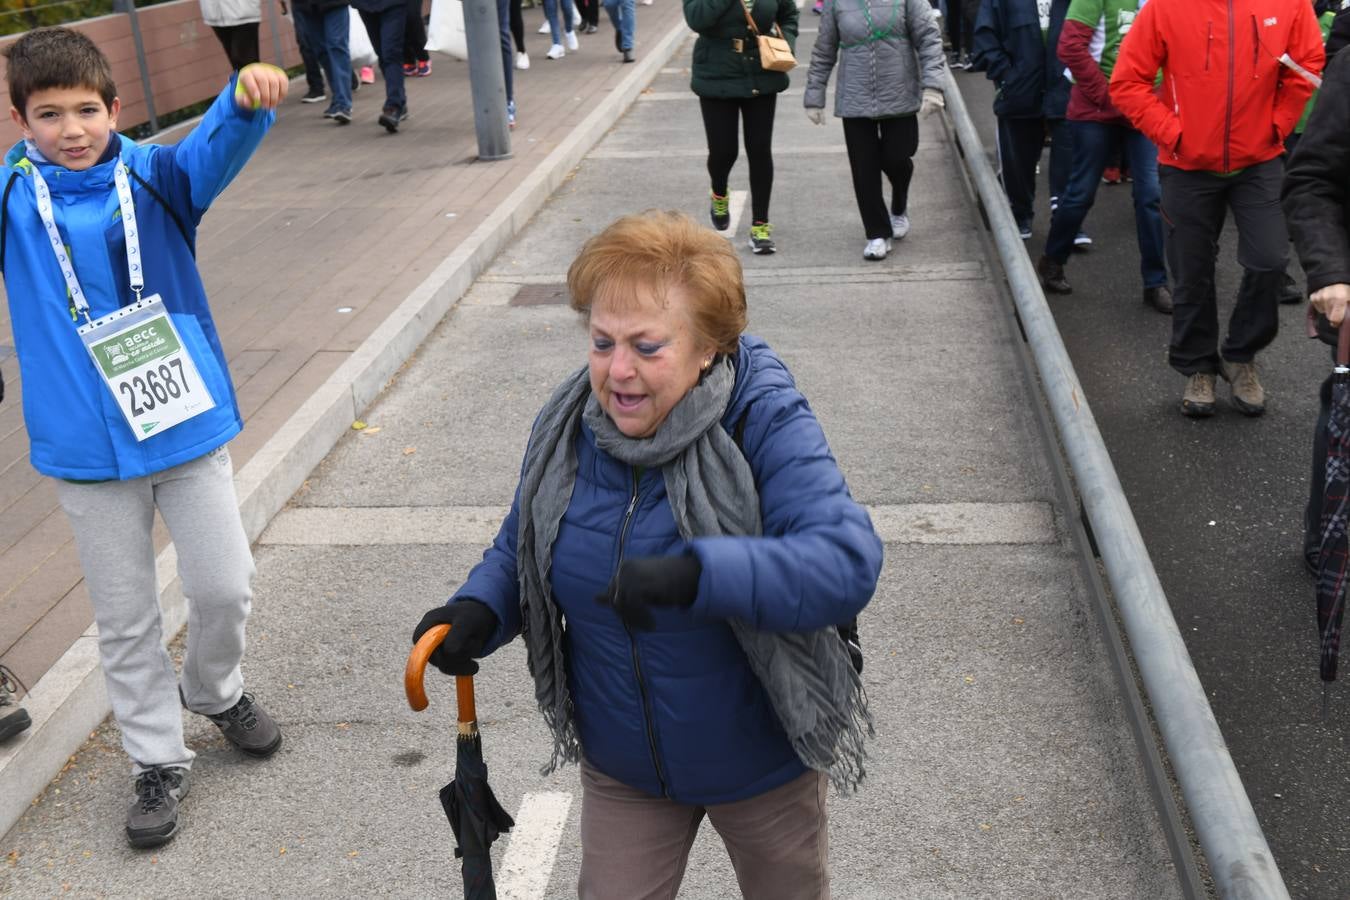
261, 86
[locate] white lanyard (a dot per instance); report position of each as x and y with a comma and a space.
44, 205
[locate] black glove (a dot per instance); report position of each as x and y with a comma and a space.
471, 625
651, 581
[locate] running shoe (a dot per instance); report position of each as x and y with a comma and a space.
720, 212
761, 240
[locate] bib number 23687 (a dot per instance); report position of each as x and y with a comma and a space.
141, 358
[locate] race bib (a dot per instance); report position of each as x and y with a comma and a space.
142, 360
1043, 11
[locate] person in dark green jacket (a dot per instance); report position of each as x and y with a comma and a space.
733, 88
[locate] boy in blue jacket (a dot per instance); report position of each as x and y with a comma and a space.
126, 393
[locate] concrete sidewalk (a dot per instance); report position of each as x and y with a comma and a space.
1003, 766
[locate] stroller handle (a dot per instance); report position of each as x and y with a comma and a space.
416, 669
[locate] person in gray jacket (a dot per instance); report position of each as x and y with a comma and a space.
235, 23
890, 69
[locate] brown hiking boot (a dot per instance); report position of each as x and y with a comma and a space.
1198, 399
1248, 395
1160, 298
1052, 276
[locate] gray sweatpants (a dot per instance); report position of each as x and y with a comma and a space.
112, 521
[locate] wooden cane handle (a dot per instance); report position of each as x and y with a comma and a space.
416, 670
417, 666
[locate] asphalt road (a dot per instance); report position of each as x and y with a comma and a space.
1219, 503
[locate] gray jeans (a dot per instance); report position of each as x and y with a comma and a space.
635, 846
113, 522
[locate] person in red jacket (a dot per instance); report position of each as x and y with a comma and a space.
1219, 118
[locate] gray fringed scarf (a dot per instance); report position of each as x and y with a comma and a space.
811, 684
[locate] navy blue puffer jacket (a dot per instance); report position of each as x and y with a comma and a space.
1015, 47
676, 711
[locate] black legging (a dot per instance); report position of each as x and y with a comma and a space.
415, 35
589, 10
517, 26
961, 15
719, 122
876, 146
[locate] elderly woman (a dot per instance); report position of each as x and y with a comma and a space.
890, 68
681, 548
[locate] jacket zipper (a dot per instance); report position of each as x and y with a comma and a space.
1256, 46
632, 647
1228, 114
1209, 43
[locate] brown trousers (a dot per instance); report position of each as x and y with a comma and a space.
635, 846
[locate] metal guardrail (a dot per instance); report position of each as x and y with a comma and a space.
1240, 861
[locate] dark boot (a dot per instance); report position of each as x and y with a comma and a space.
1160, 298
1052, 276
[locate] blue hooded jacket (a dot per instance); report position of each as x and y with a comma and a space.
676, 711
75, 428
1014, 54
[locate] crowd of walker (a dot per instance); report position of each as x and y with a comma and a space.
682, 554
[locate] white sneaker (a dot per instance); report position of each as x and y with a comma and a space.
570, 39
646, 2
900, 226
555, 52
543, 29
575, 17
877, 248
522, 60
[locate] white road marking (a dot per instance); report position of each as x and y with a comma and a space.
1031, 522
916, 271
690, 95
696, 152
528, 864
737, 201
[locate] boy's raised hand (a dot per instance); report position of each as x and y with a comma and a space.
261, 86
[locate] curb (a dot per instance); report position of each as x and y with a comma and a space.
70, 700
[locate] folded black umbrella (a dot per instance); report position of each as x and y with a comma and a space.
1334, 550
476, 817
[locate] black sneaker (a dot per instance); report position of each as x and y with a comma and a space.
314, 95
13, 718
248, 726
341, 116
1289, 292
720, 212
391, 116
152, 819
760, 238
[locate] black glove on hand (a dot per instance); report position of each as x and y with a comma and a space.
651, 581
471, 625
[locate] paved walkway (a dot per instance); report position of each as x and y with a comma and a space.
1003, 766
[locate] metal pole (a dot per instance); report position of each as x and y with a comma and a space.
1239, 858
276, 33
129, 7
487, 83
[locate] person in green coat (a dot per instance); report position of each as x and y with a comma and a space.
734, 89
